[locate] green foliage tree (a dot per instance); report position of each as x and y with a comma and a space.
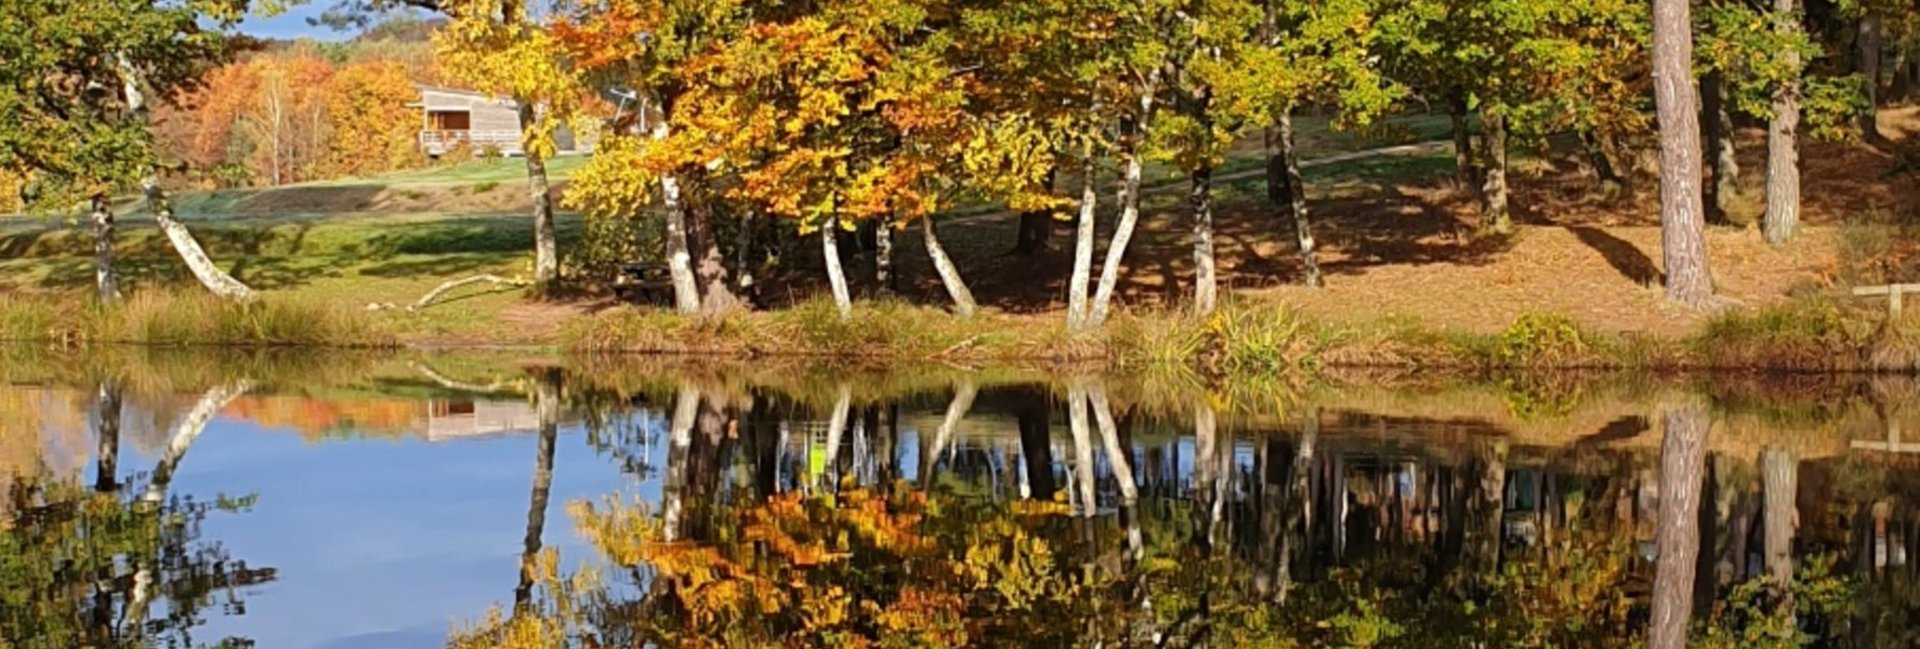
75, 89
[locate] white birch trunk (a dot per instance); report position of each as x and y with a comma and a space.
963, 303
837, 277
211, 276
1123, 232
686, 292
105, 279
1077, 316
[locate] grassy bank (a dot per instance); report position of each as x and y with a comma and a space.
1244, 338
1248, 339
163, 318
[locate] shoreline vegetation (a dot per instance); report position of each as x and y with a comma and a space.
1244, 338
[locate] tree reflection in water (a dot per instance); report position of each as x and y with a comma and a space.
121, 564
1067, 517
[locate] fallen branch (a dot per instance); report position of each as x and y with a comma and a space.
434, 294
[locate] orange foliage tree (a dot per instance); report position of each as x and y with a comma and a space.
373, 129
294, 115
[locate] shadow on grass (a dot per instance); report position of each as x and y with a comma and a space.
1621, 254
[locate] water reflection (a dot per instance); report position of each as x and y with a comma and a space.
123, 563
784, 506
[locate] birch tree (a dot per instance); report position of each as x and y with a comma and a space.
74, 99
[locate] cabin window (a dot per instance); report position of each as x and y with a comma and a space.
446, 120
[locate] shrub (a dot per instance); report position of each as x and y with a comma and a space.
1543, 340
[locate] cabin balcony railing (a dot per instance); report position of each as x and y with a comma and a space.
436, 142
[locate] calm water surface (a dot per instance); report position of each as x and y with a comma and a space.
170, 499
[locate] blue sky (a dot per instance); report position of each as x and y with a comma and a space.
293, 24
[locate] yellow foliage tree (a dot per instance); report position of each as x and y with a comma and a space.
501, 47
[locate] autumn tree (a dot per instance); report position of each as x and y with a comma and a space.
1305, 53
506, 47
645, 46
1037, 97
285, 116
372, 129
75, 95
1760, 56
1528, 69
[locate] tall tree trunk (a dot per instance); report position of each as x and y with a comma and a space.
1783, 138
105, 279
1206, 282
837, 277
1494, 215
547, 404
210, 275
1036, 228
1466, 169
1716, 129
883, 257
1682, 225
710, 265
546, 256
106, 413
963, 304
1677, 532
1132, 137
1869, 43
1296, 201
1780, 477
1601, 158
1077, 316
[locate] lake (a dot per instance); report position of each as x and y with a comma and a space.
186, 498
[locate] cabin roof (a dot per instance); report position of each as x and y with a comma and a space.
473, 95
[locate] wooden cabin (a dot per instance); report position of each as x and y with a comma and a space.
450, 117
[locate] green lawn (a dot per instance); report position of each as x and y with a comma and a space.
503, 170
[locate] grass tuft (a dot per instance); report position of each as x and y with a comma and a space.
1811, 334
